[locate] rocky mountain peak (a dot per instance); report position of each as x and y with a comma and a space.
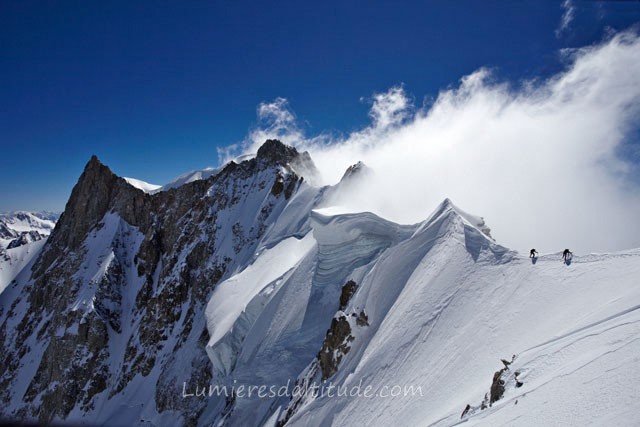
94, 169
97, 191
274, 151
358, 170
88, 203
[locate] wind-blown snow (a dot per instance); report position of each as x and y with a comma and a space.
550, 160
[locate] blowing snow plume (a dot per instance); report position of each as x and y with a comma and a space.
541, 161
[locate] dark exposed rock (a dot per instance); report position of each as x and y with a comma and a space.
498, 383
518, 382
484, 405
275, 152
278, 185
98, 190
497, 386
348, 290
335, 346
292, 185
466, 410
108, 299
362, 319
89, 201
71, 370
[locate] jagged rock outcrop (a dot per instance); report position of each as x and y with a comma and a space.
274, 152
339, 335
98, 190
361, 319
348, 290
356, 171
498, 387
335, 346
337, 341
116, 298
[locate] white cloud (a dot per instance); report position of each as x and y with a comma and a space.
390, 109
275, 121
569, 10
540, 162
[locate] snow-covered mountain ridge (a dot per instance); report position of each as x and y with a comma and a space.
445, 306
247, 278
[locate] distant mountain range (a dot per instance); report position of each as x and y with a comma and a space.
22, 234
14, 224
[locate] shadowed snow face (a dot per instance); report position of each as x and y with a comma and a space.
541, 162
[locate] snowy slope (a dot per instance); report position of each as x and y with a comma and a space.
15, 259
586, 376
142, 185
231, 298
446, 305
189, 177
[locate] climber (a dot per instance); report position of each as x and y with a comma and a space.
567, 254
533, 253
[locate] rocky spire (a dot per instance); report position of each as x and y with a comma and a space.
358, 170
88, 203
97, 191
275, 152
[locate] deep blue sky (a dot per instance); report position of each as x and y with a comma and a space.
153, 87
